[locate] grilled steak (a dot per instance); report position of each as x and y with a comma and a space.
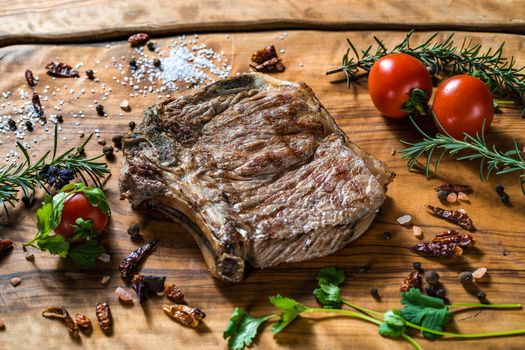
257, 170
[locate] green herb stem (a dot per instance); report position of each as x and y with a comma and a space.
362, 309
411, 341
467, 335
344, 312
486, 306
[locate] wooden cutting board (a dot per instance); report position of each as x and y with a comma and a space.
370, 262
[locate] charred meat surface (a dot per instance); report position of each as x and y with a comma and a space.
257, 170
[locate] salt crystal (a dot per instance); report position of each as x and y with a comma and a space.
105, 280
15, 281
418, 233
452, 197
463, 197
479, 273
104, 258
404, 220
124, 294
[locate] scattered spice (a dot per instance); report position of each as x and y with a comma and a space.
447, 244
133, 62
174, 293
101, 142
417, 266
482, 297
466, 277
124, 105
387, 235
463, 197
100, 110
105, 280
60, 118
29, 126
35, 100
435, 290
404, 220
418, 233
124, 295
431, 276
413, 280
375, 294
138, 39
108, 151
104, 317
132, 125
2, 325
105, 258
29, 256
15, 281
82, 321
266, 60
452, 197
147, 286
459, 217
479, 273
500, 190
90, 74
117, 141
186, 315
453, 188
442, 195
6, 246
12, 125
61, 70
128, 265
152, 46
156, 62
30, 78
60, 312
134, 232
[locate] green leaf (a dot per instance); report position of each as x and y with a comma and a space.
85, 254
55, 245
424, 311
83, 230
58, 205
43, 215
329, 294
242, 329
290, 310
393, 325
95, 195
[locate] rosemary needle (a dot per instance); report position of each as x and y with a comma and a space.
491, 159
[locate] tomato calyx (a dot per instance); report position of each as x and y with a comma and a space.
417, 103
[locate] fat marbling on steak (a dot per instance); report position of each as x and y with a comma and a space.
257, 170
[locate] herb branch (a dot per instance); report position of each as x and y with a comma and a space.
503, 77
491, 159
56, 172
421, 312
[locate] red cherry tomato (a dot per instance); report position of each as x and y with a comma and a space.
461, 104
77, 206
391, 80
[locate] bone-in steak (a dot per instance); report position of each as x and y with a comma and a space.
257, 170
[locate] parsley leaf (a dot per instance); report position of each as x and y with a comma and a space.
50, 214
95, 195
85, 254
424, 311
56, 245
290, 310
242, 328
393, 325
329, 294
83, 230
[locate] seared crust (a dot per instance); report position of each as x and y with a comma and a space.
257, 169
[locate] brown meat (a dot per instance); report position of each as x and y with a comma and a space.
257, 170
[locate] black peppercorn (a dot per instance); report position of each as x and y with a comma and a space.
482, 297
132, 125
416, 265
133, 62
442, 195
100, 110
156, 62
90, 74
387, 235
27, 202
152, 46
133, 230
431, 276
117, 141
60, 118
107, 150
12, 124
101, 142
500, 189
466, 277
505, 199
375, 293
29, 126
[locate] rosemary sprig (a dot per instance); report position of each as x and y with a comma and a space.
503, 77
491, 159
27, 176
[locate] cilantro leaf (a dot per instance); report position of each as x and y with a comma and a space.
95, 195
85, 254
83, 230
55, 245
424, 311
242, 328
50, 214
290, 310
329, 294
393, 325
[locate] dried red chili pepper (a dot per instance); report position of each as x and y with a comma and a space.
266, 60
61, 70
82, 321
453, 188
138, 39
30, 78
174, 293
447, 244
128, 265
60, 312
413, 280
186, 315
35, 100
459, 217
147, 286
103, 312
5, 247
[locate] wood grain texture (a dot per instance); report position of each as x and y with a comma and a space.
49, 281
91, 20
